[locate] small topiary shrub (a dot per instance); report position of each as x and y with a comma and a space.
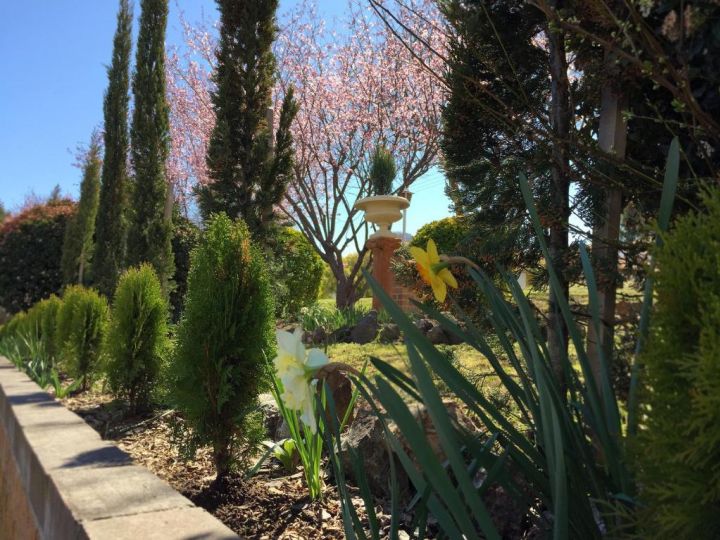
138, 337
81, 329
448, 234
679, 447
47, 325
382, 172
225, 339
297, 272
30, 253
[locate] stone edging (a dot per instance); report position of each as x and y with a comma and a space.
60, 480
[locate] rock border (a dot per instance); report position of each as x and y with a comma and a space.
64, 481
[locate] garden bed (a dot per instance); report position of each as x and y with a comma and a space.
272, 504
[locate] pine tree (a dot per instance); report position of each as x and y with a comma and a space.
249, 176
78, 243
110, 227
149, 237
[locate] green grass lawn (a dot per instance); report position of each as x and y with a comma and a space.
469, 361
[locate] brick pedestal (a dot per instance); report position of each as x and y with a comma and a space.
383, 249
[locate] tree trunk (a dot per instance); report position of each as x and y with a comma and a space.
222, 459
612, 138
346, 293
559, 214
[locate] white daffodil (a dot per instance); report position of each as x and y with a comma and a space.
295, 368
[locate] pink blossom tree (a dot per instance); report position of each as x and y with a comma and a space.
358, 87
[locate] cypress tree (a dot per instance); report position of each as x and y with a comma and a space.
110, 227
249, 173
78, 242
149, 237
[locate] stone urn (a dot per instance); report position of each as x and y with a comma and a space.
383, 211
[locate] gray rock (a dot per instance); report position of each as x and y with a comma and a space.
318, 336
366, 438
341, 335
437, 336
389, 333
274, 423
424, 325
366, 330
452, 338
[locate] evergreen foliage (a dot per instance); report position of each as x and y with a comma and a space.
150, 231
111, 221
31, 243
185, 237
78, 243
484, 152
447, 233
450, 236
679, 448
249, 176
49, 309
225, 339
297, 271
382, 172
82, 323
137, 341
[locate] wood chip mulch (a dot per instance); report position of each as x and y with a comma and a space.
270, 505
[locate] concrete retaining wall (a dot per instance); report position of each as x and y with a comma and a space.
59, 480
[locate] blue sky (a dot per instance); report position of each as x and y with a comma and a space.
53, 55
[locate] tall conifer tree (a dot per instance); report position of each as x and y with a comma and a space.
78, 243
149, 237
249, 173
110, 228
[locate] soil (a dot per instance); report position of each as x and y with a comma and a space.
272, 504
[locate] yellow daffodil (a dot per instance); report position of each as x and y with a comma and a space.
296, 369
433, 271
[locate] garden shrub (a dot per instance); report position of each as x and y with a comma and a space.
81, 329
225, 339
185, 237
448, 234
41, 321
297, 272
679, 447
137, 340
382, 172
30, 253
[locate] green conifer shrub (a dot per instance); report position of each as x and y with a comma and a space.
382, 172
249, 163
137, 341
111, 220
225, 338
150, 227
184, 238
47, 325
78, 243
297, 271
679, 445
81, 328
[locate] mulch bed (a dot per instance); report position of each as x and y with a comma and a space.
272, 504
